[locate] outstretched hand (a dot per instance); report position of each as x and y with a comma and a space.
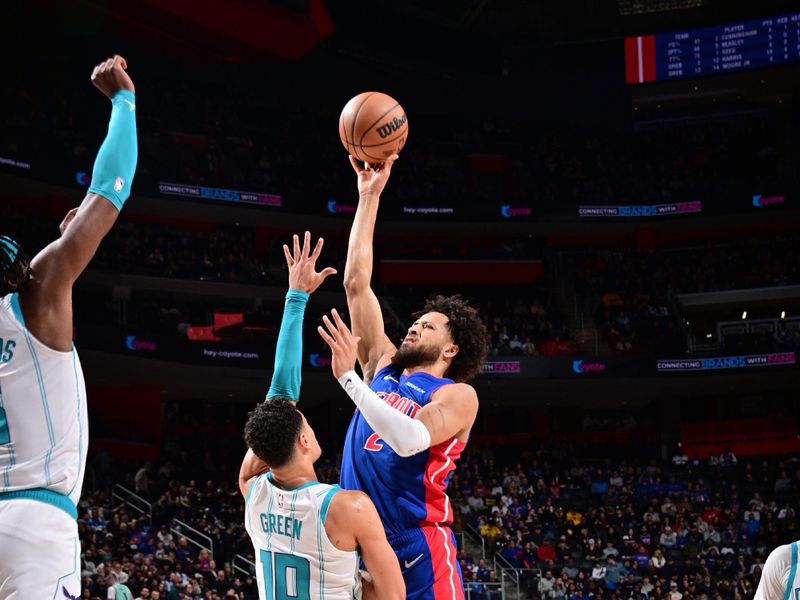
302, 264
110, 77
372, 177
343, 344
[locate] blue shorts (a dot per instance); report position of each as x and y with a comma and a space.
429, 563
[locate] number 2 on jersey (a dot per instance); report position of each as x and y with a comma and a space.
373, 443
292, 576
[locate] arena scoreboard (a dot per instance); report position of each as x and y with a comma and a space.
712, 50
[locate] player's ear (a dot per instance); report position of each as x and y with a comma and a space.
450, 351
304, 442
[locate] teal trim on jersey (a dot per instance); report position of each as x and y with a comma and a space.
11, 458
250, 489
323, 511
792, 572
5, 436
17, 309
58, 581
307, 484
287, 373
321, 556
269, 512
45, 405
47, 496
291, 516
80, 421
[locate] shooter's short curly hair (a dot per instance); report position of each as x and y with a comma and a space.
468, 332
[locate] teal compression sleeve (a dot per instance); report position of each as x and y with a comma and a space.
116, 160
289, 351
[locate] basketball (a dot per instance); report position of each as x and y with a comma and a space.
373, 126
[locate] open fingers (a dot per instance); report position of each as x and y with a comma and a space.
288, 255
296, 242
324, 335
331, 328
317, 250
344, 331
306, 245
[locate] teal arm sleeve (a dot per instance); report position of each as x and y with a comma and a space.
116, 160
289, 351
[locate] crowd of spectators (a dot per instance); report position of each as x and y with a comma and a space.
222, 254
576, 527
230, 136
690, 528
631, 293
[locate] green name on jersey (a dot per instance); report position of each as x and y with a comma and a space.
281, 525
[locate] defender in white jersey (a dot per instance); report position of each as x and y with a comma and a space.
309, 538
44, 430
780, 579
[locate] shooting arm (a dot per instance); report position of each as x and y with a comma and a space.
362, 303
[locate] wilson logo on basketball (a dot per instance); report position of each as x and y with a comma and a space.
389, 128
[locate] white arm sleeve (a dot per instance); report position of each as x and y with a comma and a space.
775, 577
405, 435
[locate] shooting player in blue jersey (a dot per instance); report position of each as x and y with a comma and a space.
415, 409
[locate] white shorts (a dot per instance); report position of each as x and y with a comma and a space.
40, 553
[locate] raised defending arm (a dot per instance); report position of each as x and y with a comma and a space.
47, 304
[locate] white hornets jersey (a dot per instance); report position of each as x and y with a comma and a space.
294, 557
44, 430
780, 579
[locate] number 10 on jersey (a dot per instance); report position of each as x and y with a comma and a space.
287, 578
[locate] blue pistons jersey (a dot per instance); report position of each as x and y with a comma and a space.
408, 492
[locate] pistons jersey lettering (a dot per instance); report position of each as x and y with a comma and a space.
408, 492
